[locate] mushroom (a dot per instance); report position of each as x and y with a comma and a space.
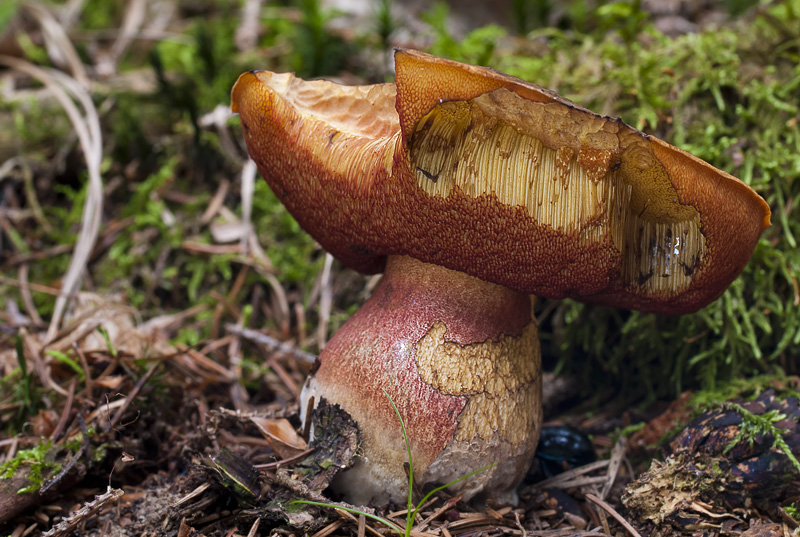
473, 190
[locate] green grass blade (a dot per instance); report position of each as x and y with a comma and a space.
388, 523
455, 481
408, 450
66, 360
26, 379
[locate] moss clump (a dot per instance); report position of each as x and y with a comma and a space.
37, 462
755, 427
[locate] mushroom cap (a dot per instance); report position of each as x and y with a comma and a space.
484, 173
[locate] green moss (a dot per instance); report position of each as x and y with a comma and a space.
36, 126
290, 249
757, 426
101, 15
19, 390
201, 68
36, 461
747, 388
476, 48
77, 442
7, 11
254, 370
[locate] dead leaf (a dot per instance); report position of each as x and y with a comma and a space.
281, 436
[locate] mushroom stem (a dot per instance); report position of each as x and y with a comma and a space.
460, 358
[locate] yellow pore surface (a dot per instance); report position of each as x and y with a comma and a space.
571, 172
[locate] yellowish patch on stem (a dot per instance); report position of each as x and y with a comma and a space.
501, 378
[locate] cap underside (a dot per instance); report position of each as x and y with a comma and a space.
500, 179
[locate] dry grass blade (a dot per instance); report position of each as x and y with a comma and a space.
27, 297
33, 350
59, 46
87, 127
192, 495
325, 302
367, 527
330, 528
216, 202
27, 257
247, 33
78, 333
280, 301
248, 191
617, 453
362, 525
30, 188
254, 528
70, 12
278, 464
789, 521
272, 344
568, 532
134, 18
218, 119
65, 413
518, 523
285, 377
611, 511
22, 531
132, 395
572, 478
422, 526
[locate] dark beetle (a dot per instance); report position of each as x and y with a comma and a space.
561, 448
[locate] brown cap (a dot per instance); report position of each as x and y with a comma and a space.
482, 172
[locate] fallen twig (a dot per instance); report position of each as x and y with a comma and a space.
271, 343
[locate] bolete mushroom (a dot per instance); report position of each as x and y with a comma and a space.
473, 190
